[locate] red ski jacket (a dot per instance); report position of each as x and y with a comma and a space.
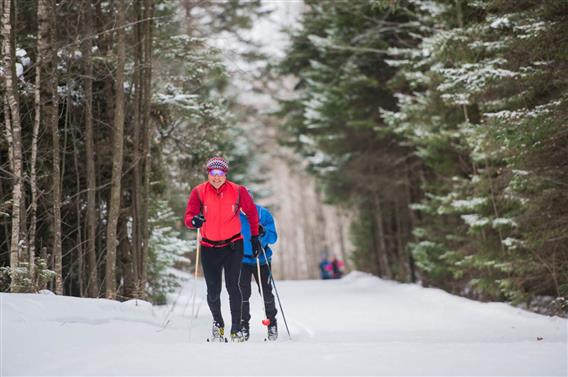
221, 207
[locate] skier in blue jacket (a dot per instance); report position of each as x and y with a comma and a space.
268, 235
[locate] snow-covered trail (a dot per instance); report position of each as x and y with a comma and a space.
359, 325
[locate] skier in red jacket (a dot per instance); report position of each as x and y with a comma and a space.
214, 207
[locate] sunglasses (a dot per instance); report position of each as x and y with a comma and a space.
216, 173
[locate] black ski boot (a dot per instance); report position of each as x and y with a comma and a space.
245, 329
272, 330
236, 333
237, 336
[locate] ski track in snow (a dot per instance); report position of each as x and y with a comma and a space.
359, 325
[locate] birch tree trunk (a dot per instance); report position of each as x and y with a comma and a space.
14, 127
117, 158
41, 15
8, 130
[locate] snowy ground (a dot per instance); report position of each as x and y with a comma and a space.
359, 325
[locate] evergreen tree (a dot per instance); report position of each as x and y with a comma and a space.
482, 103
339, 56
443, 119
173, 115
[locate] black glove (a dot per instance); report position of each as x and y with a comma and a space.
261, 231
256, 246
197, 221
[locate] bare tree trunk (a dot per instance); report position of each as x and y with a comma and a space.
319, 231
400, 242
8, 131
126, 255
459, 11
16, 135
49, 56
309, 243
376, 261
106, 46
340, 231
494, 203
41, 12
80, 253
136, 249
117, 158
411, 217
5, 244
146, 132
92, 284
383, 256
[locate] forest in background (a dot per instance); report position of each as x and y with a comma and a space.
442, 126
109, 111
438, 126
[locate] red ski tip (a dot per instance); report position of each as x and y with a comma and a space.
266, 322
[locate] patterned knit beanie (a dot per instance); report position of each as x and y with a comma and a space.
217, 163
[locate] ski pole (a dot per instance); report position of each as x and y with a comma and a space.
265, 321
197, 250
276, 291
172, 307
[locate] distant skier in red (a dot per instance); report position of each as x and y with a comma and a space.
214, 207
337, 268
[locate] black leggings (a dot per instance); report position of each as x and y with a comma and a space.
247, 271
214, 260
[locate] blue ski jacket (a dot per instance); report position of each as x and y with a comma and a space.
270, 236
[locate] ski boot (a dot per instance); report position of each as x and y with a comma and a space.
237, 336
245, 329
272, 330
217, 333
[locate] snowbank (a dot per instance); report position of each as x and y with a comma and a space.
359, 325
